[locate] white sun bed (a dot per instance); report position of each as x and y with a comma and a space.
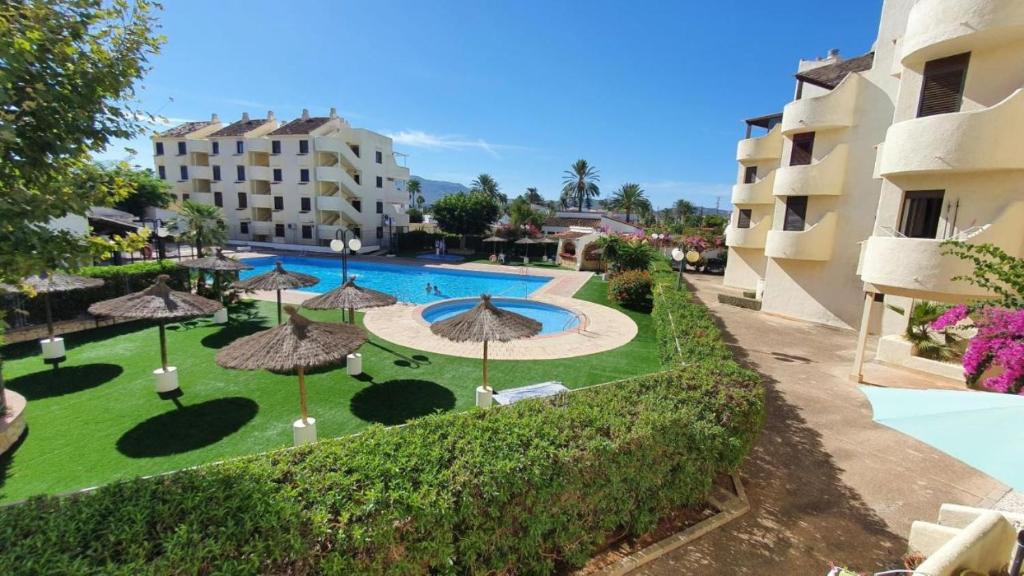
513, 395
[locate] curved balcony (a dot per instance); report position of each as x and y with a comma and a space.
937, 28
916, 267
757, 192
767, 147
975, 141
822, 178
826, 112
753, 237
814, 243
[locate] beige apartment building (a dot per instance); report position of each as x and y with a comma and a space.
293, 184
843, 199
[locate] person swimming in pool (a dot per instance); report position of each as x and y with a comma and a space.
437, 291
428, 288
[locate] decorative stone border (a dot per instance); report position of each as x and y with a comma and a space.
12, 424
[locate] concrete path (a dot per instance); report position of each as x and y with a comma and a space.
825, 482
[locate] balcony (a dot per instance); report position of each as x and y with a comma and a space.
767, 147
916, 267
257, 227
757, 192
259, 173
332, 203
822, 178
261, 201
198, 146
753, 237
827, 112
937, 28
976, 141
257, 145
814, 243
200, 173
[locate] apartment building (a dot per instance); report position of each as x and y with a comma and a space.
296, 183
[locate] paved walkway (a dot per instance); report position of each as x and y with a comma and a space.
825, 482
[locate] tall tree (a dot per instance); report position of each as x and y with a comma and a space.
683, 209
68, 69
580, 182
629, 198
201, 224
487, 185
534, 197
413, 188
463, 213
147, 190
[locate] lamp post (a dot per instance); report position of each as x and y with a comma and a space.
342, 243
678, 255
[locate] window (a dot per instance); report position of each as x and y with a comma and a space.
357, 232
379, 157
185, 197
803, 145
303, 146
243, 227
278, 202
159, 148
305, 204
743, 218
239, 147
796, 214
182, 149
380, 207
920, 214
216, 173
218, 199
358, 205
750, 175
358, 178
162, 172
183, 172
241, 173
355, 149
307, 232
304, 175
942, 87
243, 200
277, 174
380, 232
279, 230
380, 181
275, 146
215, 147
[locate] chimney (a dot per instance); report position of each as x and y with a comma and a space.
245, 116
214, 118
833, 54
305, 113
270, 115
334, 112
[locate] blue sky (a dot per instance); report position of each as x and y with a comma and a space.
651, 92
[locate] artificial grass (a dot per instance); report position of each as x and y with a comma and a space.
97, 419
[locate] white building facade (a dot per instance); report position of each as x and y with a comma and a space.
300, 183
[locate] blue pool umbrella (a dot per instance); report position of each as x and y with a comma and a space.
982, 429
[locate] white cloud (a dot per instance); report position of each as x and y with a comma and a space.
420, 139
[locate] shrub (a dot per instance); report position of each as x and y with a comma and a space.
416, 240
632, 289
627, 252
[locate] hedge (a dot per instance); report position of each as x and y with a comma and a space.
118, 281
534, 488
632, 289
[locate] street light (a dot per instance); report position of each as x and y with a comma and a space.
341, 239
678, 255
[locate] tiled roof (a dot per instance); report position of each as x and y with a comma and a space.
567, 222
301, 126
186, 128
830, 75
239, 128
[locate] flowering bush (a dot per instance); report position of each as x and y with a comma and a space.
697, 243
632, 289
998, 343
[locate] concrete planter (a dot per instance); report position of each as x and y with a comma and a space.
304, 432
53, 349
484, 397
220, 316
165, 381
354, 364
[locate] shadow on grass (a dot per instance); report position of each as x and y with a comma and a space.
402, 360
231, 332
398, 401
187, 428
8, 457
67, 380
73, 340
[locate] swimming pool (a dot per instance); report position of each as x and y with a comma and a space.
407, 283
553, 319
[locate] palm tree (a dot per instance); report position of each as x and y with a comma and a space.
420, 201
629, 198
581, 183
201, 225
486, 184
413, 188
533, 196
565, 200
684, 209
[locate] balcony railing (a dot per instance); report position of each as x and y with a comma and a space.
828, 111
975, 141
752, 237
260, 173
937, 28
757, 192
257, 145
814, 243
822, 178
767, 147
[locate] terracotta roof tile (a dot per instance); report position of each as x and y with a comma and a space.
239, 128
184, 129
300, 126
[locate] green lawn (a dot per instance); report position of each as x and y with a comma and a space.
98, 419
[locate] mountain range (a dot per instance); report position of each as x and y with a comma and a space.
434, 190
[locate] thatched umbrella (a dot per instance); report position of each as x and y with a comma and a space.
293, 347
494, 240
160, 303
277, 279
483, 323
526, 241
547, 240
217, 263
350, 296
53, 349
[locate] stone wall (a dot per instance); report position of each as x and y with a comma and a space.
12, 424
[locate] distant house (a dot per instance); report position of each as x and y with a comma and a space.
593, 221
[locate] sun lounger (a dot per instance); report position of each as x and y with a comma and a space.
513, 395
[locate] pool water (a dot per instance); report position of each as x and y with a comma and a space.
407, 283
553, 318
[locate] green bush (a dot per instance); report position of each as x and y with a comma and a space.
416, 240
117, 281
686, 331
632, 289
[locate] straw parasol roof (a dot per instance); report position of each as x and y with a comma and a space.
47, 283
548, 240
158, 302
526, 240
277, 279
300, 343
486, 322
494, 239
350, 296
217, 263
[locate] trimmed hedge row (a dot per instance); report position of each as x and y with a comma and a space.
534, 488
118, 281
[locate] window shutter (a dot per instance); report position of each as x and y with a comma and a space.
803, 147
796, 214
942, 87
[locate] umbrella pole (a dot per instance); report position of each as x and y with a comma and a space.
163, 347
351, 315
279, 307
486, 387
302, 395
49, 314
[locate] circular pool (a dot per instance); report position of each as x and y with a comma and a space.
553, 319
